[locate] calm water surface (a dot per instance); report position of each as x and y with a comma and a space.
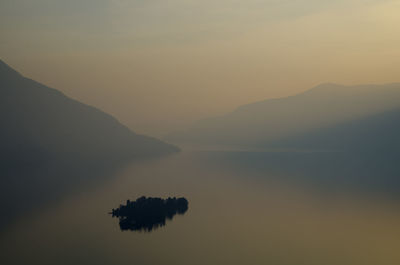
244, 208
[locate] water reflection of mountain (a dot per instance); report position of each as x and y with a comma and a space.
146, 214
29, 188
359, 173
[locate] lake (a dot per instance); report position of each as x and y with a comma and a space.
245, 207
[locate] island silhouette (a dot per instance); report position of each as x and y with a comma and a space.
148, 213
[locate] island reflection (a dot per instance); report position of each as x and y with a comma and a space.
147, 214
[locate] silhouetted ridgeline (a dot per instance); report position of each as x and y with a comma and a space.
146, 214
40, 123
326, 107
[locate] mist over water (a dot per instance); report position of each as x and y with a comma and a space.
245, 208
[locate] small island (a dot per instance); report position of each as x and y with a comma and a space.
148, 213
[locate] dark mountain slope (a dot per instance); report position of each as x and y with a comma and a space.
40, 122
377, 133
51, 146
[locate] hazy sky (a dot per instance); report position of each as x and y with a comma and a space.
158, 64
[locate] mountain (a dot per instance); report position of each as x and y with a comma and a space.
41, 123
271, 121
379, 133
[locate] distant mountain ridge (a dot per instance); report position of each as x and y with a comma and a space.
272, 121
377, 133
40, 122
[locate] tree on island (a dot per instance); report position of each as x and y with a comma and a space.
146, 214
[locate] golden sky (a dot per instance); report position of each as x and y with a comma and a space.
158, 64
